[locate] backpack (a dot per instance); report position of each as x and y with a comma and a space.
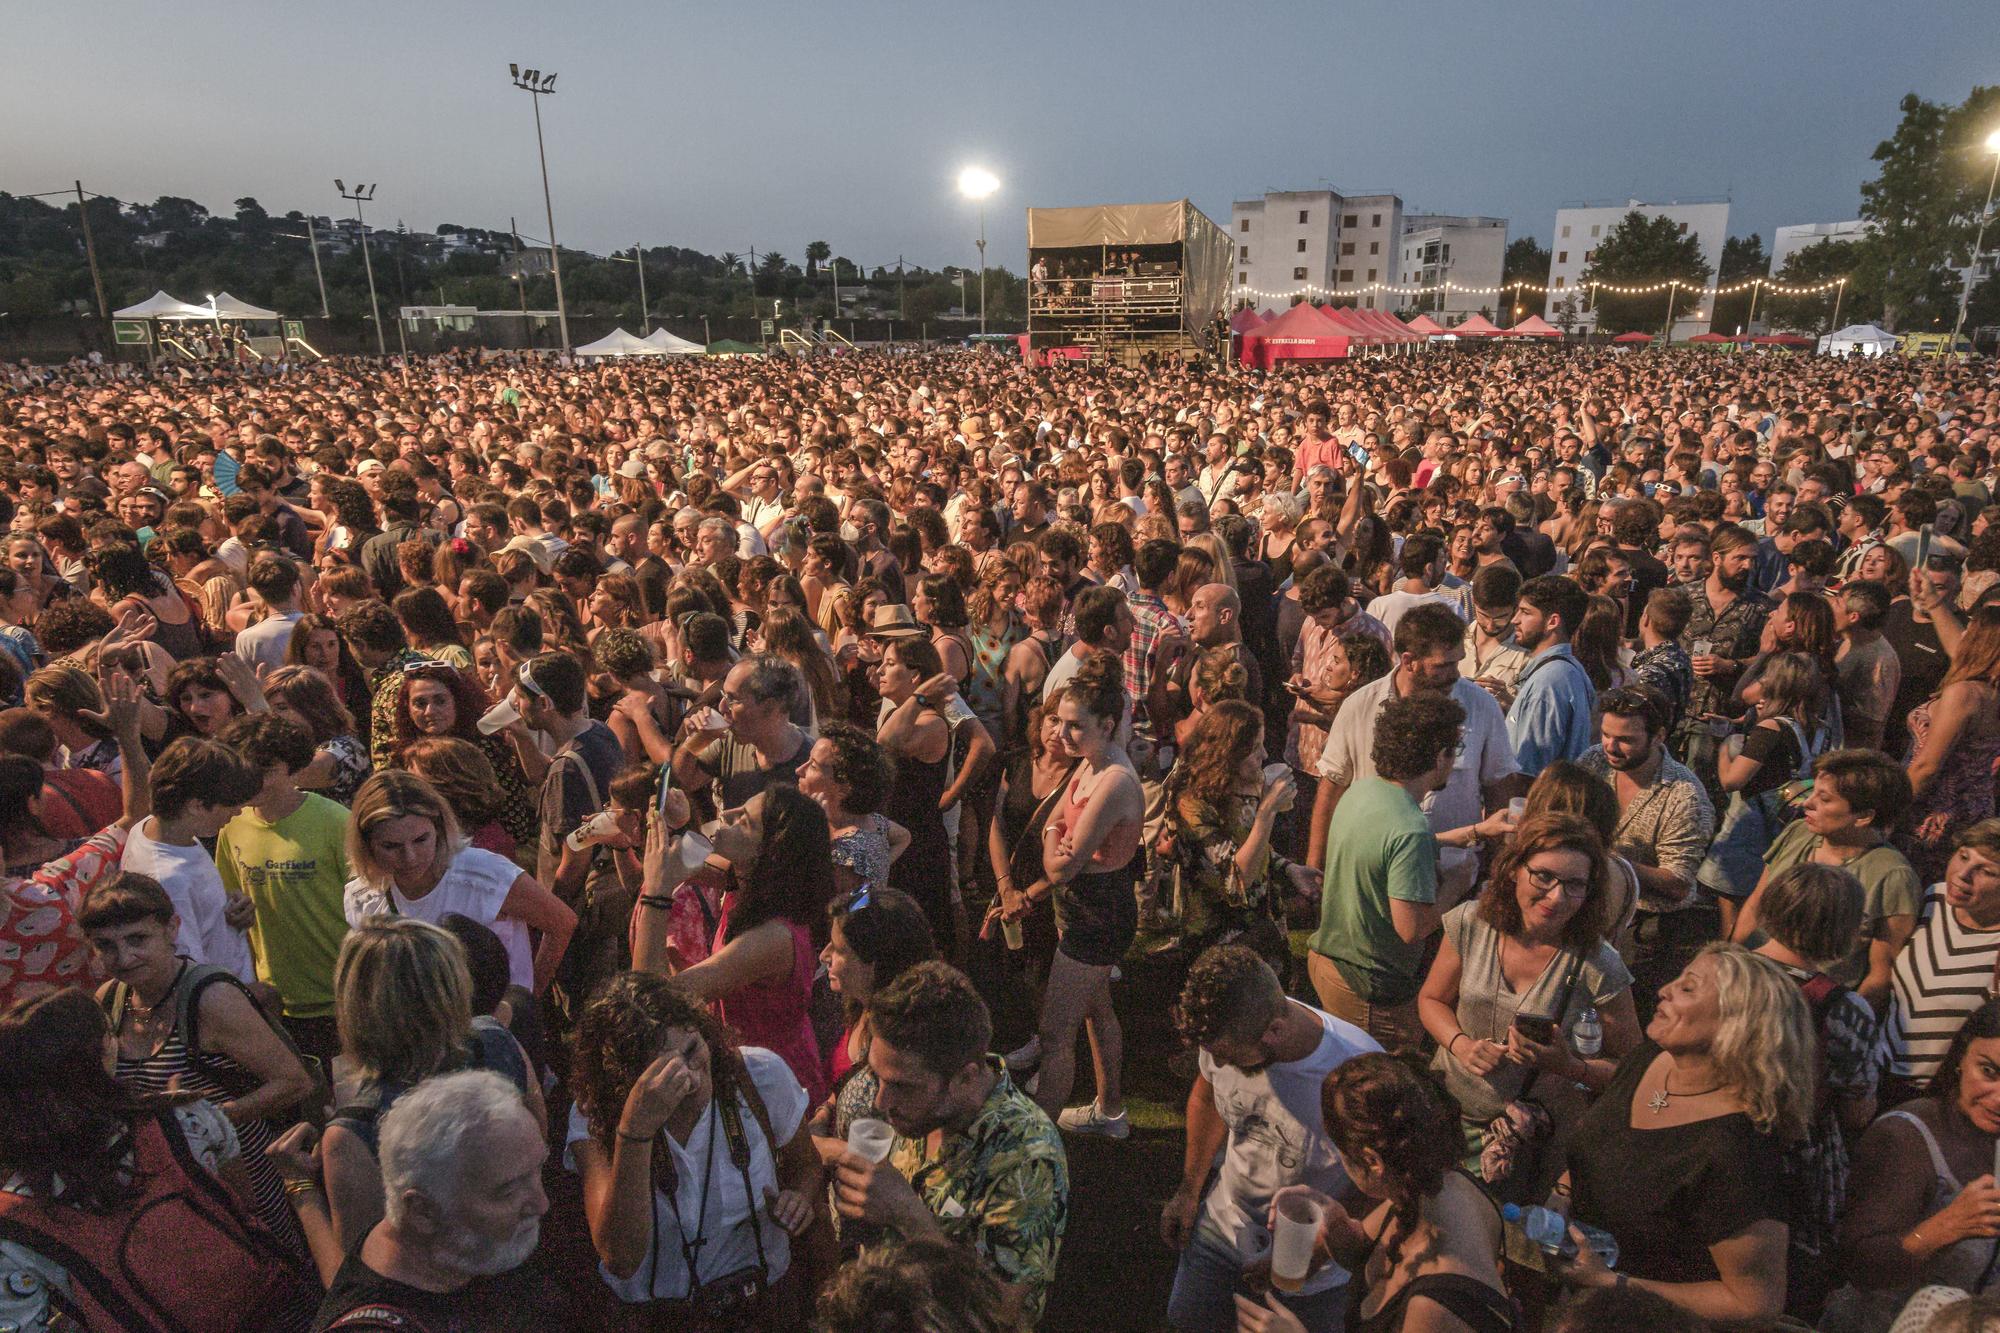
1822, 992
235, 1080
182, 1255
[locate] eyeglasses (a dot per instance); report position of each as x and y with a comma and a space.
1547, 881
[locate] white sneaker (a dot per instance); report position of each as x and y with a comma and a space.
1026, 1057
1087, 1119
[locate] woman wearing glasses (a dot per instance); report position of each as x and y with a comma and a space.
1517, 968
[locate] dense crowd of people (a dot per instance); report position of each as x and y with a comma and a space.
710, 808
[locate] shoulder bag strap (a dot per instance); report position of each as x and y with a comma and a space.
739, 1153
1562, 1005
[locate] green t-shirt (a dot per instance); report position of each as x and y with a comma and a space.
295, 871
1890, 885
1379, 846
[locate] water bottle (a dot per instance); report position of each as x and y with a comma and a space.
1587, 1037
1549, 1231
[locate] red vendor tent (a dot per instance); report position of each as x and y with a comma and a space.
1633, 338
1534, 326
1711, 339
1350, 322
1394, 327
1425, 326
1245, 320
1302, 333
1477, 326
1782, 340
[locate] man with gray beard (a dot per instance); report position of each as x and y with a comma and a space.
462, 1184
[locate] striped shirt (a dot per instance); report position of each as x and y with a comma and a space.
1943, 974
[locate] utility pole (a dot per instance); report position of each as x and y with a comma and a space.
639, 261
90, 252
358, 196
312, 240
899, 288
520, 279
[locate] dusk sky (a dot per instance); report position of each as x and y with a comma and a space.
732, 126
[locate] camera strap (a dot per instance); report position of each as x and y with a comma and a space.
690, 1249
739, 1153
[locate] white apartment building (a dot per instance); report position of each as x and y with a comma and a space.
1466, 251
1336, 244
1579, 229
1788, 241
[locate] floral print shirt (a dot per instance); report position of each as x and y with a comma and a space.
1001, 1186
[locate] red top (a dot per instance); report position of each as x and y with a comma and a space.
777, 1014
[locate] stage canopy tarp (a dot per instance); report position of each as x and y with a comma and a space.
161, 306
619, 343
1302, 333
672, 345
1206, 250
1534, 326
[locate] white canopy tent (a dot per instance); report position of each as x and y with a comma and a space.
161, 306
620, 343
673, 346
226, 306
1858, 340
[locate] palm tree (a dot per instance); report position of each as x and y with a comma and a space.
817, 253
731, 261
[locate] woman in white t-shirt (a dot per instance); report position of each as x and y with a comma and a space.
697, 1177
411, 859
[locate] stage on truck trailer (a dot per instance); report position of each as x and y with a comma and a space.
1121, 281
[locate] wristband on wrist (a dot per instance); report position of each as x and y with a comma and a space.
1454, 1041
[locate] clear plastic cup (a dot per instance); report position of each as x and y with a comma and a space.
871, 1139
1010, 931
1518, 808
691, 853
1273, 775
1293, 1242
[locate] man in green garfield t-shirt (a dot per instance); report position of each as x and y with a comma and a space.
287, 851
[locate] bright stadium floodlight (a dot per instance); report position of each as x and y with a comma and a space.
1979, 245
976, 183
358, 196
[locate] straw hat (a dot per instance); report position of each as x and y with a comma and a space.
894, 621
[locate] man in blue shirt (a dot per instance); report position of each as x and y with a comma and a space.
1553, 696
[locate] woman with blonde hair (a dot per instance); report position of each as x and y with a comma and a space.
1280, 522
410, 859
1954, 744
403, 998
1210, 545
1682, 1156
69, 700
309, 698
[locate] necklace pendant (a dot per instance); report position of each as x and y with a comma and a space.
1658, 1101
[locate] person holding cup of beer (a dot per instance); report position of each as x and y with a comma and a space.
1431, 1237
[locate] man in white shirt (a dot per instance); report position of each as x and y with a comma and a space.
198, 786
275, 580
1256, 1101
1430, 645
1421, 564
